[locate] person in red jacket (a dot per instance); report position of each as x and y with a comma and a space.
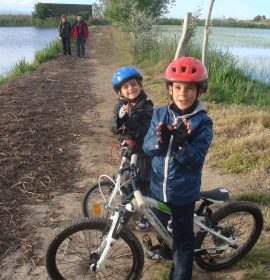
79, 31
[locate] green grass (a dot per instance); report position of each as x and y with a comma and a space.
27, 20
257, 262
21, 67
258, 197
228, 83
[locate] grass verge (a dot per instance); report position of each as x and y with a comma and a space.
27, 20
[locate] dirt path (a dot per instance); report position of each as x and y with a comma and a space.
55, 141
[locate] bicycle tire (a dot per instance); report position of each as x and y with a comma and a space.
78, 250
250, 212
93, 195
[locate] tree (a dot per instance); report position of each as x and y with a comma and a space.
257, 18
40, 11
154, 8
98, 10
120, 10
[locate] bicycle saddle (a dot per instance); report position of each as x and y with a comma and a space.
218, 194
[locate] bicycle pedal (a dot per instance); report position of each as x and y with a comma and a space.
147, 241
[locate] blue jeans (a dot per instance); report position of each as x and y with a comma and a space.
80, 46
183, 239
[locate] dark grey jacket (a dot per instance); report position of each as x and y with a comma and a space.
64, 29
135, 125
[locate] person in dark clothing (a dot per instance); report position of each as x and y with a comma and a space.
131, 118
79, 31
177, 143
64, 29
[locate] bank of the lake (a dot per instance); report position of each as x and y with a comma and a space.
45, 54
22, 43
9, 20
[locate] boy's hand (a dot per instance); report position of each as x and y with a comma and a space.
181, 133
164, 132
123, 111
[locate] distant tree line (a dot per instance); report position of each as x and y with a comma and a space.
221, 22
46, 10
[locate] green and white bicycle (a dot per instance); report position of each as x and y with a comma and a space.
99, 248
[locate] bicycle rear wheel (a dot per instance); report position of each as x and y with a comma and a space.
242, 221
75, 248
93, 204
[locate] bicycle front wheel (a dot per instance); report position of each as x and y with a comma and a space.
241, 221
95, 198
72, 252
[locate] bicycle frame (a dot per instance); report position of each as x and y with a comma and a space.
144, 205
163, 232
117, 182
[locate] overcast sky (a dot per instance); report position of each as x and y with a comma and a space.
241, 9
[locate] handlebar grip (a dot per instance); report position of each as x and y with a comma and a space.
133, 159
139, 199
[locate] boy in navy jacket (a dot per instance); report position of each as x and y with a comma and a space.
177, 143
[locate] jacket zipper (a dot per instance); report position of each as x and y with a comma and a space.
166, 164
166, 169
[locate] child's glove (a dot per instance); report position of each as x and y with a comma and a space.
163, 133
122, 112
180, 135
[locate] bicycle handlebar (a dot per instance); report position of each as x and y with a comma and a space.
139, 199
133, 160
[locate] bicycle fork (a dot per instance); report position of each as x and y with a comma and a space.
119, 219
106, 245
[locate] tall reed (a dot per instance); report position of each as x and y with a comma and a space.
28, 20
228, 82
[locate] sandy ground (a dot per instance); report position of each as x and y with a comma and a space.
54, 143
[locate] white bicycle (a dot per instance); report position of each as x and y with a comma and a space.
102, 196
99, 248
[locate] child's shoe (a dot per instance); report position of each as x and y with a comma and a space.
156, 254
143, 224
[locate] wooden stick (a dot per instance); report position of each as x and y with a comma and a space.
206, 32
183, 42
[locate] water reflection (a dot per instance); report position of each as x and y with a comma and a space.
17, 43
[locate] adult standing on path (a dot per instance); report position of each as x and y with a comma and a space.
64, 29
79, 31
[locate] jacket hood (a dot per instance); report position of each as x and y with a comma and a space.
200, 107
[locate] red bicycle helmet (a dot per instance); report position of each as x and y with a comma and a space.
187, 69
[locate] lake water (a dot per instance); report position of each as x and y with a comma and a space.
250, 45
17, 43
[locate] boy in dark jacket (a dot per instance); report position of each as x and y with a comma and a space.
177, 143
132, 116
64, 29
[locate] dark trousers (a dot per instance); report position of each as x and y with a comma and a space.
183, 239
80, 46
66, 45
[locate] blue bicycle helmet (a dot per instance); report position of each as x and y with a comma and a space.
123, 74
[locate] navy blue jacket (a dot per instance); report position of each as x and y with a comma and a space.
176, 172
